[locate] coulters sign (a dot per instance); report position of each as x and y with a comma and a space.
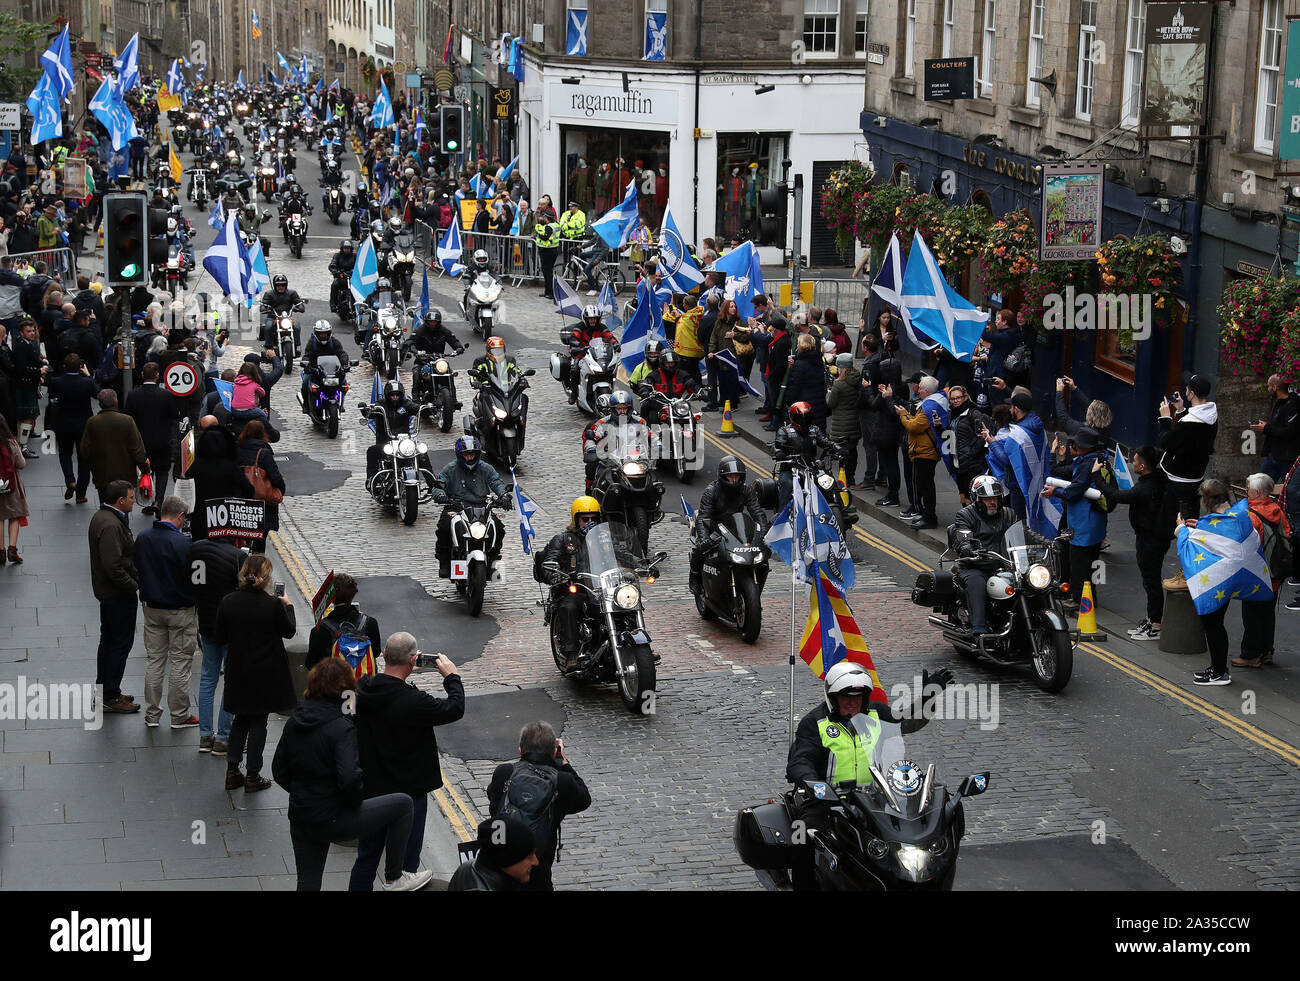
598, 103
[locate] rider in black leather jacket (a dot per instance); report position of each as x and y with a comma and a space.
727, 495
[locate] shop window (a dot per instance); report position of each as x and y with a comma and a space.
821, 27
600, 163
747, 163
860, 28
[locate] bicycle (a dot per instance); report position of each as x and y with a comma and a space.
608, 272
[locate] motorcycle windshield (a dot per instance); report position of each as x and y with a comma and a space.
600, 351
609, 556
898, 784
738, 530
328, 365
1020, 552
501, 376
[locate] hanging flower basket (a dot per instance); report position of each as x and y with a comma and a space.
1143, 265
1260, 332
1009, 254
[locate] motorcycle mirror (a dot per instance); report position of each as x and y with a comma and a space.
529, 372
974, 785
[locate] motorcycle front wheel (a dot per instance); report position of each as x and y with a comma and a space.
477, 583
638, 679
332, 421
409, 505
749, 608
641, 525
1053, 660
448, 407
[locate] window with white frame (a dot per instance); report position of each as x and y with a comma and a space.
821, 27
659, 7
1037, 14
1134, 35
860, 28
1270, 70
909, 40
987, 47
1087, 60
946, 50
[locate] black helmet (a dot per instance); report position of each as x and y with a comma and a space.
731, 473
433, 318
280, 280
801, 416
668, 362
394, 392
345, 245
653, 351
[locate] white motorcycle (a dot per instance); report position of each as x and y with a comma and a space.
481, 302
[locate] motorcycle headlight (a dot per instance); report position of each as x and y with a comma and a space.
441, 366
1039, 576
388, 449
825, 481
477, 530
406, 447
499, 412
422, 448
286, 323
940, 847
633, 469
914, 860
628, 596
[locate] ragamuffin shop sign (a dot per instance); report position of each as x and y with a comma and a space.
598, 103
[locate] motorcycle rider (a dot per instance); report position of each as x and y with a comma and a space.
331, 176
432, 337
828, 746
979, 527
654, 349
382, 296
341, 265
392, 414
322, 343
555, 564
618, 416
294, 200
468, 481
481, 372
798, 441
667, 380
278, 303
590, 327
727, 495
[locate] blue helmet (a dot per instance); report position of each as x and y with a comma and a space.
468, 446
621, 399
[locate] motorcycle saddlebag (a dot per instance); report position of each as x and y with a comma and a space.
763, 836
560, 367
934, 589
769, 492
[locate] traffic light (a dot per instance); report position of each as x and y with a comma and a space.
130, 245
772, 207
451, 128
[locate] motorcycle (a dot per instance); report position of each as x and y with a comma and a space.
824, 471
199, 187
401, 484
1024, 611
473, 533
401, 263
266, 177
326, 386
678, 433
434, 386
296, 226
613, 644
732, 578
345, 305
173, 275
500, 415
334, 207
589, 371
480, 303
625, 484
285, 330
387, 344
900, 830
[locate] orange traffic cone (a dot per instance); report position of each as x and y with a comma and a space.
1087, 625
728, 429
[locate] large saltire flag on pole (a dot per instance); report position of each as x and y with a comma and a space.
1223, 560
934, 308
831, 635
888, 281
58, 65
617, 225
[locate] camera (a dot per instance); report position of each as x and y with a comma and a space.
430, 660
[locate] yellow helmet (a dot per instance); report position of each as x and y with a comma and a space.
584, 505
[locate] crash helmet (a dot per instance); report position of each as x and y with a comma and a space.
322, 329
362, 187
377, 227
801, 416
433, 318
171, 226
468, 452
294, 189
653, 352
394, 393
249, 210
590, 312
280, 282
602, 404
480, 259
846, 678
584, 513
383, 285
668, 362
620, 403
984, 487
345, 245
395, 224
731, 473
496, 348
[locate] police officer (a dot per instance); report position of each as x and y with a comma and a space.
556, 564
726, 496
573, 223
280, 301
322, 343
468, 481
546, 235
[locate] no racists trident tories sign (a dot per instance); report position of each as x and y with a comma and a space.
233, 518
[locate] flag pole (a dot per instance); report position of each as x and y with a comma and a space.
794, 580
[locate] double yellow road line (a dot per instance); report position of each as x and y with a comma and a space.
1256, 735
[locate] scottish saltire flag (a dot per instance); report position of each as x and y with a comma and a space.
575, 43
831, 635
227, 261
365, 273
526, 508
128, 65
226, 390
1123, 476
382, 113
217, 218
643, 327
320, 86
47, 113
376, 394
672, 250
1028, 454
807, 533
424, 295
334, 86
567, 302
656, 37
1223, 560
729, 358
617, 225
479, 186
109, 109
608, 305
239, 81
688, 512
517, 56
199, 72
303, 73
419, 124
937, 310
118, 162
744, 277
937, 405
888, 282
58, 64
450, 249
261, 276
175, 80
329, 113
284, 65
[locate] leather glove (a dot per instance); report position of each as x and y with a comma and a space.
942, 678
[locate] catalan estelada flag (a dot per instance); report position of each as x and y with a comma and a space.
831, 635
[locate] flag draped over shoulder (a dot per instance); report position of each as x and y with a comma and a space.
1223, 560
1028, 456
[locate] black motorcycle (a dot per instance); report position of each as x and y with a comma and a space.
625, 483
434, 387
733, 574
1026, 619
677, 431
388, 342
295, 224
501, 415
900, 830
402, 482
613, 644
824, 471
342, 301
334, 204
401, 263
327, 383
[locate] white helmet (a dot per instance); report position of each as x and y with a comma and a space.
322, 329
845, 677
171, 226
480, 258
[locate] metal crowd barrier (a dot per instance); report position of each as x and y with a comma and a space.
61, 263
844, 296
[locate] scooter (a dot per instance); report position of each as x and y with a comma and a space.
589, 372
480, 303
500, 417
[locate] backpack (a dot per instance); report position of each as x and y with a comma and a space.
107, 373
1276, 547
352, 644
529, 795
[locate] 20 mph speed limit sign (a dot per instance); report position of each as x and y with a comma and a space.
181, 380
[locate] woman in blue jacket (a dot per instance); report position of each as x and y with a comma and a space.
1086, 520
